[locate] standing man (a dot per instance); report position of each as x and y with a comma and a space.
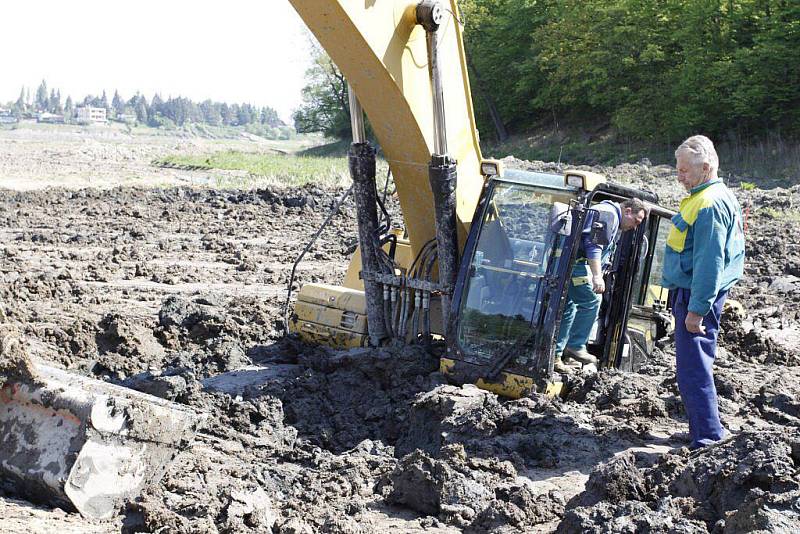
704, 258
586, 284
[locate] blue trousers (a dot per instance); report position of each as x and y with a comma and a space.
580, 311
695, 355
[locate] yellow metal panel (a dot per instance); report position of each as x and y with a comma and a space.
324, 315
509, 385
555, 389
446, 365
383, 54
315, 334
338, 297
403, 257
590, 179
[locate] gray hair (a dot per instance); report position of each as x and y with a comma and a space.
701, 150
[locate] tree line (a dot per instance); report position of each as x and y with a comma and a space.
648, 70
653, 69
174, 111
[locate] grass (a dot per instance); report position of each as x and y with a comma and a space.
792, 215
268, 167
287, 163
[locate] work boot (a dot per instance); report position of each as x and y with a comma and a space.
580, 355
559, 366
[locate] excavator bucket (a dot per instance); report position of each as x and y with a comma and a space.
83, 444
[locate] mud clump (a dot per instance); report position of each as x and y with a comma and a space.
622, 394
15, 362
779, 401
344, 398
535, 432
126, 346
198, 319
475, 494
746, 483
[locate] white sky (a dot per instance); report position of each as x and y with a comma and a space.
227, 50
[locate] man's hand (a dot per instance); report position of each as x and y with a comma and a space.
694, 323
598, 284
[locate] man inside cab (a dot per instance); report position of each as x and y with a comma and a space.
603, 224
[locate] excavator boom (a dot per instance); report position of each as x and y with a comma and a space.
383, 52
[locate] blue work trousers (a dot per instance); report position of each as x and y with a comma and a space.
580, 311
695, 355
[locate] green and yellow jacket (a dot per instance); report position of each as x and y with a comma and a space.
705, 246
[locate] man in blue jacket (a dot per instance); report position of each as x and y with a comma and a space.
586, 283
704, 258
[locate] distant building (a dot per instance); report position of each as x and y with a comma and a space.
6, 117
126, 117
90, 115
51, 118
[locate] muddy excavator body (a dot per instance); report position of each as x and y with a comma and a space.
486, 254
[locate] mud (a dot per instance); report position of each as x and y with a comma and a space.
178, 292
748, 483
15, 362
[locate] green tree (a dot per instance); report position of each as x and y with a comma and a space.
155, 111
210, 113
118, 104
140, 108
42, 99
54, 102
19, 105
325, 107
68, 108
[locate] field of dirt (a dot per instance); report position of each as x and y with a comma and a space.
177, 290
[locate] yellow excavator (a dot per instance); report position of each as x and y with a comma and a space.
485, 258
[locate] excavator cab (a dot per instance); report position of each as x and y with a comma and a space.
514, 274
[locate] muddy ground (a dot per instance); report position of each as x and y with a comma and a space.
171, 289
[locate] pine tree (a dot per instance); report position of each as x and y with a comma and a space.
118, 104
42, 99
54, 102
104, 102
19, 106
141, 110
155, 111
68, 109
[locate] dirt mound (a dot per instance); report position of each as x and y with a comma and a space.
476, 494
15, 361
343, 398
749, 482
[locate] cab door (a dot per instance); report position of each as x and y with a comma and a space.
644, 317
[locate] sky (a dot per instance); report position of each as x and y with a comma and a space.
235, 51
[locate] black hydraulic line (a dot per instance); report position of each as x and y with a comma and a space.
392, 240
308, 246
385, 224
422, 252
361, 159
